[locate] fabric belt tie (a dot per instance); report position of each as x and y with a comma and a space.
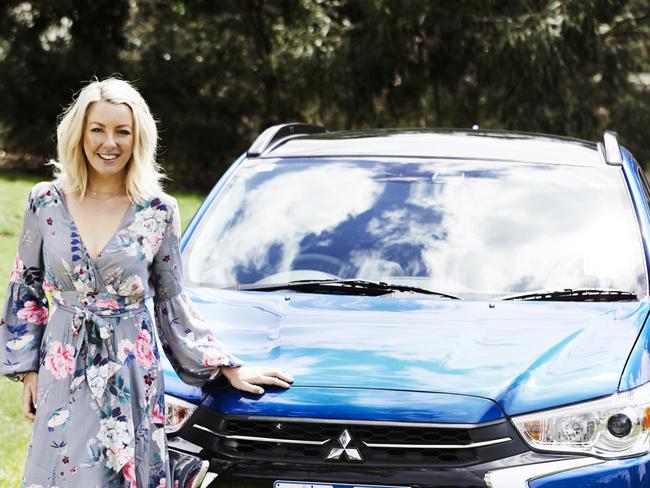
95, 358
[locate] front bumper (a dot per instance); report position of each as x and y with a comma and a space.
528, 470
583, 472
503, 465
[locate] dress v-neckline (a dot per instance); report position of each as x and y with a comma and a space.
81, 239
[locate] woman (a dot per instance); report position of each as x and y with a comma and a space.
102, 238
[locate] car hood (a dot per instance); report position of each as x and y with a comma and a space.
524, 356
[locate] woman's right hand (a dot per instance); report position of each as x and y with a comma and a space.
29, 395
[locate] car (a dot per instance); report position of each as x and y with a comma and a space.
459, 308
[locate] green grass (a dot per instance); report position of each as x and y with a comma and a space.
15, 431
14, 435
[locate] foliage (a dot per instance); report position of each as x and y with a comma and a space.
217, 73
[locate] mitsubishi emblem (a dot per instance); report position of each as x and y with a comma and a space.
351, 453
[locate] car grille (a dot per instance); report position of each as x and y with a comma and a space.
345, 443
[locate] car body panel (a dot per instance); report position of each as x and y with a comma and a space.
486, 145
356, 404
525, 356
638, 200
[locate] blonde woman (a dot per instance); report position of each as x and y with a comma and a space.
102, 238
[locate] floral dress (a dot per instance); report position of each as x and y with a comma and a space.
100, 404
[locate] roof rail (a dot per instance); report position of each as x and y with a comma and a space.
280, 132
612, 148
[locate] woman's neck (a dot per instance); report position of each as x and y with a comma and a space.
106, 184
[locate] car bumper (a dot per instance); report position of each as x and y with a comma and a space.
503, 465
528, 470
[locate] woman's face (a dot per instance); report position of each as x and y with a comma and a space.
108, 137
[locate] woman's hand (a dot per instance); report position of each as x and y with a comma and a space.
29, 395
247, 378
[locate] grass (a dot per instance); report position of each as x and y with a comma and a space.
14, 435
15, 431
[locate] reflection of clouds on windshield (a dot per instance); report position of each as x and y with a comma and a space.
455, 227
498, 226
281, 211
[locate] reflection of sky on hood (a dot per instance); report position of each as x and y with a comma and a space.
457, 227
556, 351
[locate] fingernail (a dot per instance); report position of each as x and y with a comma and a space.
260, 391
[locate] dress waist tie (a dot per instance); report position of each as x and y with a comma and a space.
95, 358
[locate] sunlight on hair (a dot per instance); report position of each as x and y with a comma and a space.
143, 174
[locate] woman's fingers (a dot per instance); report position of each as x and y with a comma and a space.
270, 380
248, 379
29, 400
279, 374
246, 386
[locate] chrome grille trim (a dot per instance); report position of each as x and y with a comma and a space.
261, 439
440, 446
369, 423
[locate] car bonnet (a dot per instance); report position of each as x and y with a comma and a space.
525, 356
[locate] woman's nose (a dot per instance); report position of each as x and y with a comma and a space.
109, 141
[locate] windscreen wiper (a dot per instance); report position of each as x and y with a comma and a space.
343, 287
576, 295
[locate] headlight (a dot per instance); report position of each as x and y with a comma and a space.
613, 427
177, 412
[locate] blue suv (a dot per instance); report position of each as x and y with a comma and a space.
458, 309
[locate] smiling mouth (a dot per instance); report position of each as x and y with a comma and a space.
108, 157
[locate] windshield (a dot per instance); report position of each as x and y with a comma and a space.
474, 229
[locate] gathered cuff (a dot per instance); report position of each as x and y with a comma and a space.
21, 330
188, 342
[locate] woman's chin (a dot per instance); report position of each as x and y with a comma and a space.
107, 168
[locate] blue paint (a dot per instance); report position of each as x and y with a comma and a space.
641, 205
356, 404
525, 356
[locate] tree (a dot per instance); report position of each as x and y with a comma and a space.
217, 73
46, 50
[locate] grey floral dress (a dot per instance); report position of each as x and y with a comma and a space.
100, 405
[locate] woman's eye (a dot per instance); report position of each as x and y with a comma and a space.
95, 129
124, 132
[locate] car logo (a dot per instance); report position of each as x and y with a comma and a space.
351, 453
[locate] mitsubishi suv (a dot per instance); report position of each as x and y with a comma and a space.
458, 308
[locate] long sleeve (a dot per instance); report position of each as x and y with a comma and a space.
25, 307
187, 341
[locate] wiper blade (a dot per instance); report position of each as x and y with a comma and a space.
347, 287
576, 295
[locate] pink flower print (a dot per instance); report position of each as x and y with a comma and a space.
212, 359
50, 221
17, 270
158, 416
60, 361
129, 473
33, 313
163, 483
143, 350
47, 286
108, 303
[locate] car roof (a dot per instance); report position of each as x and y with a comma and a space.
440, 144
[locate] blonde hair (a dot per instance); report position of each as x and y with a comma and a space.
143, 174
